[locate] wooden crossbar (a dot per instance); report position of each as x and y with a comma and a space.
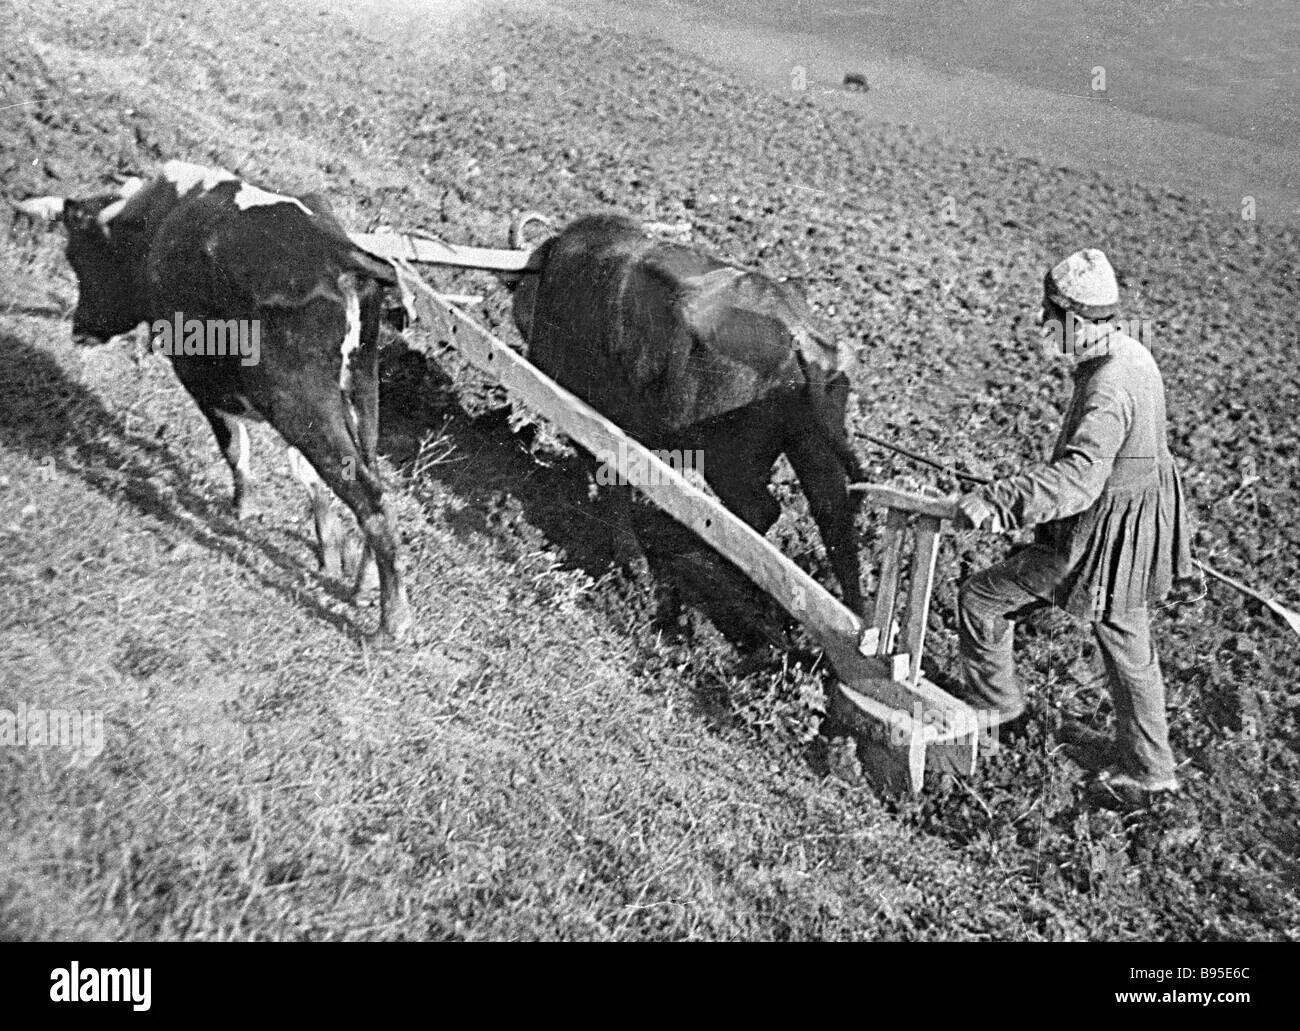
906, 501
923, 516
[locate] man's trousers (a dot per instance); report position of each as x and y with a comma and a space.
990, 602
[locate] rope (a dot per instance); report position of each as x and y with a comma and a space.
950, 470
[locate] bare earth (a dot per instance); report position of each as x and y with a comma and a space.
1199, 95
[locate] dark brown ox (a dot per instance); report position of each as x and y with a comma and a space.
199, 247
690, 354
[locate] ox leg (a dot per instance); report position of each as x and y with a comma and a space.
322, 420
614, 511
322, 434
617, 511
737, 465
329, 531
362, 403
232, 439
365, 498
825, 485
739, 476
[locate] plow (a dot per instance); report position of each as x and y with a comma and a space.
906, 724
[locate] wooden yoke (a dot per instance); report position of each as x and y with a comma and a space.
425, 250
941, 732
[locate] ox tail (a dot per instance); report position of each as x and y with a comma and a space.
395, 297
844, 452
828, 392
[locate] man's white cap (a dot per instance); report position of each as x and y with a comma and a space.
1085, 284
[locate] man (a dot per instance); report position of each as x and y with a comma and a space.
1112, 532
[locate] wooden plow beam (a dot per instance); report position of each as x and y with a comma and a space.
425, 250
906, 722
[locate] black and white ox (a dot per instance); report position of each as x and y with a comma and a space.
199, 249
687, 353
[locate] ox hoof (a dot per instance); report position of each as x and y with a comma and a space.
358, 565
629, 557
364, 596
243, 510
332, 565
670, 616
365, 582
382, 640
397, 623
331, 556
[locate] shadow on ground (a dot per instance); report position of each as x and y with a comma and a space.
509, 485
62, 425
513, 494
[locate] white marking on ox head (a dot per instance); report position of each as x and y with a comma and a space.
250, 196
185, 176
48, 209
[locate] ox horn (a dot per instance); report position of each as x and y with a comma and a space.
127, 185
521, 223
46, 209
